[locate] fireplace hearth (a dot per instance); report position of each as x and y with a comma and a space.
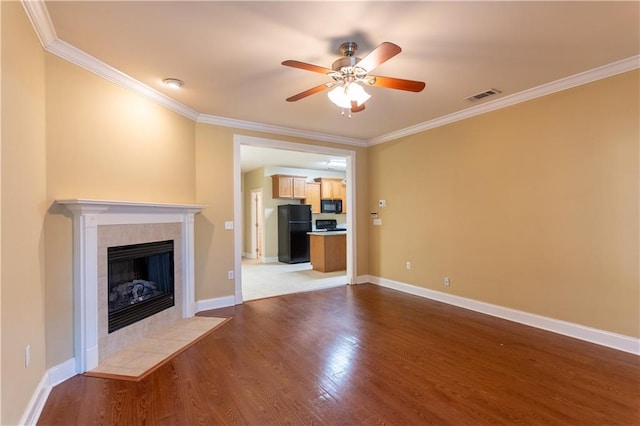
141, 282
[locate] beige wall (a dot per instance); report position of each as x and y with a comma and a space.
103, 142
533, 207
23, 211
214, 188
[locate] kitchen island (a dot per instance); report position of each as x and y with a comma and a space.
328, 250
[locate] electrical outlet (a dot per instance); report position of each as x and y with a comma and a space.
408, 265
27, 356
228, 225
447, 281
382, 203
230, 275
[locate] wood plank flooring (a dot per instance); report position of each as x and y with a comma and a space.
365, 355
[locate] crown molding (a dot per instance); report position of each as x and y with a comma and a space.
284, 131
88, 62
589, 76
39, 16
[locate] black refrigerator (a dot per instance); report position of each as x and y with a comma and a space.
294, 221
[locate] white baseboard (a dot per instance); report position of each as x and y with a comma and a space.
269, 259
592, 335
364, 279
51, 377
62, 372
218, 302
248, 255
36, 404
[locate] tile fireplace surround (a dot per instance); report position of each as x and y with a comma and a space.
98, 224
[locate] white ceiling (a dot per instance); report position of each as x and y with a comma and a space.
229, 54
253, 157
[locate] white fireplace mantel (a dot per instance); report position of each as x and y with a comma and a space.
87, 216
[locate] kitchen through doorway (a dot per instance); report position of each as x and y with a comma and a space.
259, 272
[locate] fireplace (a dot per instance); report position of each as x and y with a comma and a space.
101, 224
140, 282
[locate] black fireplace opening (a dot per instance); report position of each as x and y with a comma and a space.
141, 282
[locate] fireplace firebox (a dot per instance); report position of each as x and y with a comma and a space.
141, 282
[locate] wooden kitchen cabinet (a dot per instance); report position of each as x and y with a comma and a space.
312, 196
288, 186
330, 188
343, 195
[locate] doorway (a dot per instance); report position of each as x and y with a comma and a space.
257, 234
239, 206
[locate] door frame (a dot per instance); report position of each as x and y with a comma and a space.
350, 155
256, 218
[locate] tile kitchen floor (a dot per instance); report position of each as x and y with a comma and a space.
260, 280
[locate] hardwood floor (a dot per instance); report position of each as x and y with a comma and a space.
365, 355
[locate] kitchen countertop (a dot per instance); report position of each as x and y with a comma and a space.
326, 233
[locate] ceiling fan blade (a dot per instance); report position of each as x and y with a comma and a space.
355, 107
397, 83
380, 54
309, 92
307, 67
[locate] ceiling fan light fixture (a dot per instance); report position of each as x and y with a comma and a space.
338, 96
337, 162
357, 93
343, 95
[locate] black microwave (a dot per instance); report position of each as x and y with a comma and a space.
330, 206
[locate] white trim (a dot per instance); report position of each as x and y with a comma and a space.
89, 63
37, 402
218, 302
41, 21
589, 334
277, 130
62, 372
52, 377
364, 279
269, 259
589, 76
247, 255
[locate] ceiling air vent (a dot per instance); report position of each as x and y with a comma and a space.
483, 95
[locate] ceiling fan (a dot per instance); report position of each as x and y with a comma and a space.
348, 71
